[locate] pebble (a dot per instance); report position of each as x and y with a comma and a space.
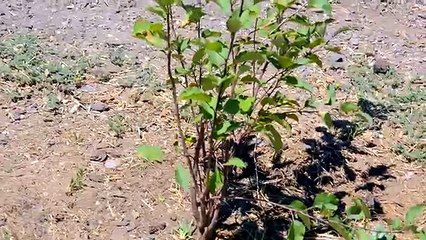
111, 164
96, 178
336, 57
3, 139
99, 156
381, 66
156, 228
99, 107
88, 89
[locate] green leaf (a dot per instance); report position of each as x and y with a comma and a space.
156, 41
183, 177
209, 82
284, 3
215, 181
233, 24
236, 162
311, 103
365, 117
206, 33
413, 213
226, 128
363, 235
299, 83
250, 56
333, 48
298, 205
396, 224
296, 231
194, 93
198, 55
337, 225
331, 94
315, 59
157, 10
421, 236
300, 19
215, 58
349, 107
214, 46
321, 4
358, 210
328, 121
274, 137
246, 104
193, 14
326, 202
150, 153
225, 5
141, 25
232, 106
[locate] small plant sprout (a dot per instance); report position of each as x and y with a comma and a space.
184, 231
77, 182
118, 125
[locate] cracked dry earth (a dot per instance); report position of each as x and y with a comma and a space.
125, 198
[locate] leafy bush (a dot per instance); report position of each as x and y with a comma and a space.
233, 83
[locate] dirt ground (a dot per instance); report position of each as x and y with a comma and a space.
123, 197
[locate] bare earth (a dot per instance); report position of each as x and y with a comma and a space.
126, 198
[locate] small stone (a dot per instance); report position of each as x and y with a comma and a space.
99, 156
99, 107
3, 221
96, 178
337, 58
156, 228
111, 164
3, 139
88, 89
381, 66
355, 42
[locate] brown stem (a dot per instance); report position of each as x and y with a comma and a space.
177, 113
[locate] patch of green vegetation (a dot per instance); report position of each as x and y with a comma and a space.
118, 125
389, 97
184, 231
121, 57
26, 62
77, 182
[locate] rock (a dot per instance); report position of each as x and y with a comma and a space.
354, 41
99, 156
156, 228
381, 66
96, 177
4, 140
88, 89
111, 163
336, 57
3, 221
99, 107
119, 233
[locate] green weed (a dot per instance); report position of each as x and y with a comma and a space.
77, 182
389, 97
184, 231
26, 62
118, 125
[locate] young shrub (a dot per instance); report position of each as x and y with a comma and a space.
232, 81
